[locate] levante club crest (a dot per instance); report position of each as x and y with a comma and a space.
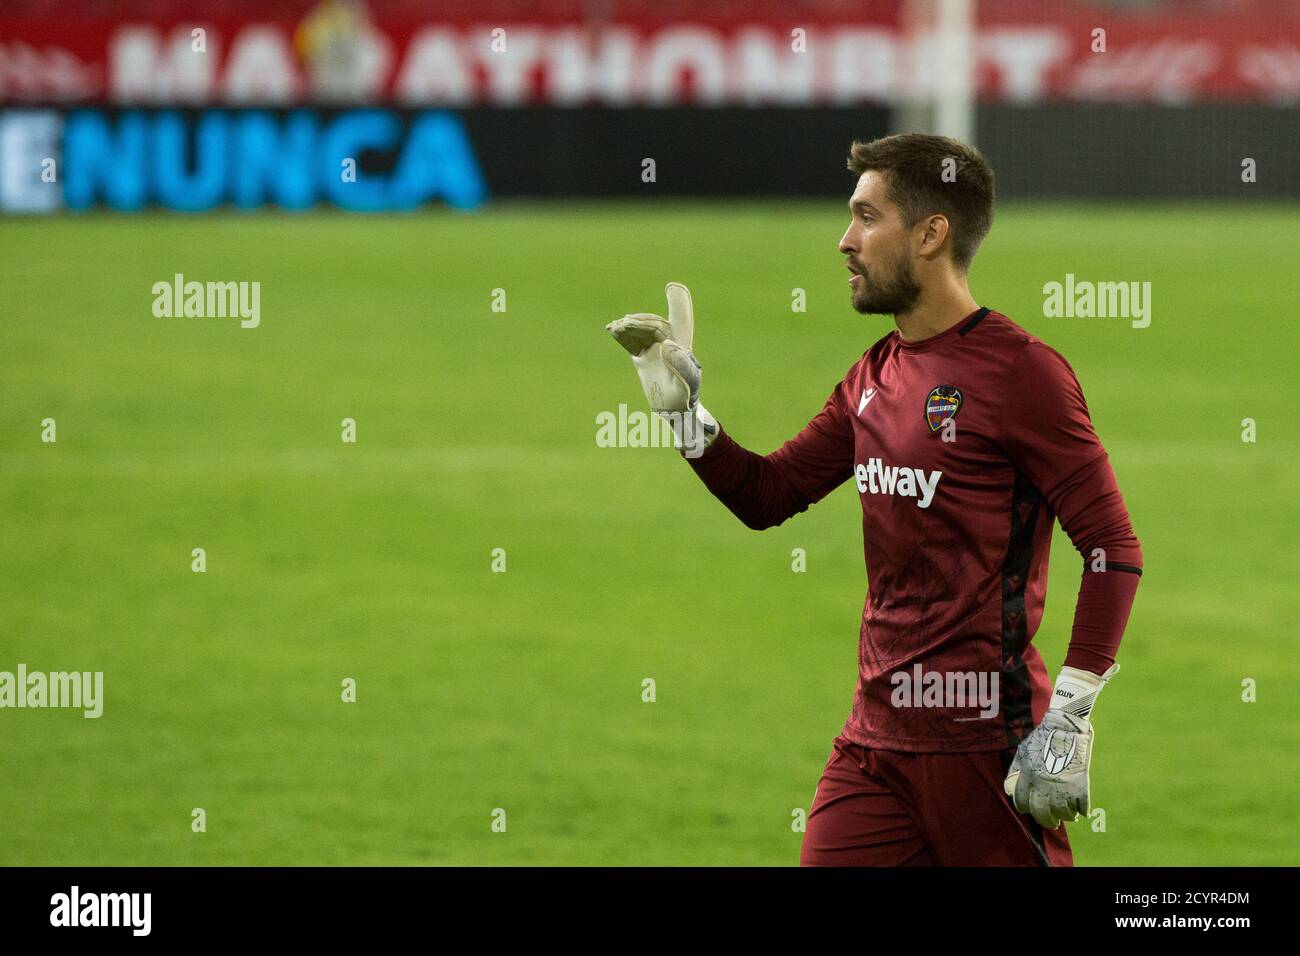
943, 403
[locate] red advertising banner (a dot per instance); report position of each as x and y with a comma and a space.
732, 54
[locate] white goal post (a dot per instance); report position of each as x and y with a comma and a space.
942, 32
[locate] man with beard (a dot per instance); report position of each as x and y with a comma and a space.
966, 437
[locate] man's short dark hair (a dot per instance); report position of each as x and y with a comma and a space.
934, 174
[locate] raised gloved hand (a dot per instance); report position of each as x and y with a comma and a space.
669, 373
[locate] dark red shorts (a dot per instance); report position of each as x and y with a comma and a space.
887, 808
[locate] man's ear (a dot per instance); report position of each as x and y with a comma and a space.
933, 234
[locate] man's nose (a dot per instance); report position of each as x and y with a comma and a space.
846, 242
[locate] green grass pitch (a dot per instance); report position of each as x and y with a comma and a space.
476, 430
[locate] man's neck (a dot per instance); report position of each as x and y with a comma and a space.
936, 310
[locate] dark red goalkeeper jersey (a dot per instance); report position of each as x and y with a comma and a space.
963, 449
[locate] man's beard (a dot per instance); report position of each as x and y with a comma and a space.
887, 294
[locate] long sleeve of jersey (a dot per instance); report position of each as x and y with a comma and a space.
1048, 434
764, 490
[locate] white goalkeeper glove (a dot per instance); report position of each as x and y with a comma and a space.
670, 375
1048, 778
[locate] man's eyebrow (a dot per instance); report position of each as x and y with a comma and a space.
855, 205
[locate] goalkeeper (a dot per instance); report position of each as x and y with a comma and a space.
966, 438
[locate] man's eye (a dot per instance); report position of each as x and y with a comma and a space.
866, 218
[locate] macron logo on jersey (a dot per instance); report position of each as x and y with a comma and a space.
882, 479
